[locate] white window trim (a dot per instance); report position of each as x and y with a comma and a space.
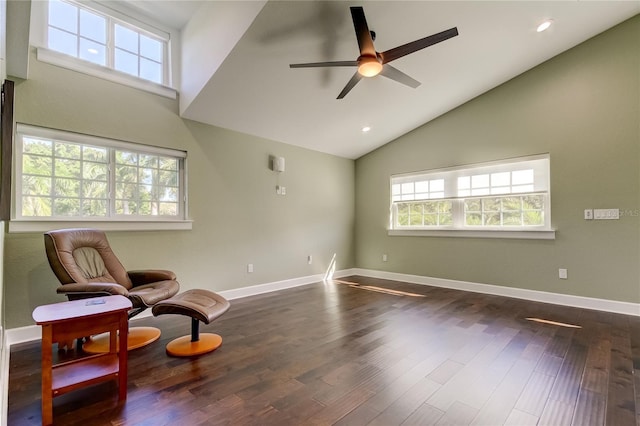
544, 232
151, 223
69, 62
115, 225
529, 234
38, 37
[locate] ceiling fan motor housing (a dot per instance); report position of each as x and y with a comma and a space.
369, 66
371, 63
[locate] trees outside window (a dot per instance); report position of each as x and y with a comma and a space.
60, 176
510, 194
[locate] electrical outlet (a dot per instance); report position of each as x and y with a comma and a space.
384, 257
283, 190
309, 259
250, 268
588, 214
562, 274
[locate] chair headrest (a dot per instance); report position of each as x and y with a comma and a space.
81, 255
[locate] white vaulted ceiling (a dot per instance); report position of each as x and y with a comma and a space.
236, 73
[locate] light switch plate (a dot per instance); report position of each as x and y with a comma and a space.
606, 214
588, 214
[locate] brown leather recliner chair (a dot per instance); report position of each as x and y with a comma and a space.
85, 265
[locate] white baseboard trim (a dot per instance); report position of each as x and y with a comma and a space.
614, 306
24, 334
31, 333
237, 293
4, 380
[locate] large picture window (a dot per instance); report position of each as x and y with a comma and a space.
504, 195
69, 176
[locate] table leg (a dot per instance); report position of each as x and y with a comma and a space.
113, 340
122, 357
47, 375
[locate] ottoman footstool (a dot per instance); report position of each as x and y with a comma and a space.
200, 305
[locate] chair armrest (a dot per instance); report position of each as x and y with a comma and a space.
150, 276
98, 289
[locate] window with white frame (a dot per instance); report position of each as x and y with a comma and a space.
505, 195
94, 36
70, 176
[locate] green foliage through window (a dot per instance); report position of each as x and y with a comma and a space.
425, 213
62, 179
525, 210
506, 194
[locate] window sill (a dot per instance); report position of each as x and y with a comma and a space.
536, 234
75, 64
24, 226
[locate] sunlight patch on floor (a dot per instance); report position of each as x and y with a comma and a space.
561, 324
379, 289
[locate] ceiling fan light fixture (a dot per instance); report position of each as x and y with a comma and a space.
544, 25
371, 63
369, 66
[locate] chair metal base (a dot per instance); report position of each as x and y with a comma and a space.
184, 346
137, 338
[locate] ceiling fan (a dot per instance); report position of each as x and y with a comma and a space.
370, 62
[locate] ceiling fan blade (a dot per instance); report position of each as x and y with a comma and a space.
326, 64
414, 46
397, 75
365, 42
354, 80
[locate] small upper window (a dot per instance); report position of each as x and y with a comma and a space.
89, 35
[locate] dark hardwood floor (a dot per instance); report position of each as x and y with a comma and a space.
360, 355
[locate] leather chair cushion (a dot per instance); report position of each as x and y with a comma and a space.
203, 305
150, 294
90, 263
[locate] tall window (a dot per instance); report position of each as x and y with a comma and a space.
68, 176
84, 33
511, 194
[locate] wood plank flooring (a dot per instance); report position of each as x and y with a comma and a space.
359, 354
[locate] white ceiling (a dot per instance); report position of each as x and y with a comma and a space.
254, 91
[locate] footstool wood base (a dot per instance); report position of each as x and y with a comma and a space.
183, 346
137, 338
200, 305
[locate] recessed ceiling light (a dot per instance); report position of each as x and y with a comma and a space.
544, 25
365, 129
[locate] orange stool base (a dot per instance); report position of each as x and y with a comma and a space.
183, 346
137, 338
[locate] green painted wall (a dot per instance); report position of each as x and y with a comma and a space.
238, 218
582, 107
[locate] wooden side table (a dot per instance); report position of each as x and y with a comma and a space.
66, 321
